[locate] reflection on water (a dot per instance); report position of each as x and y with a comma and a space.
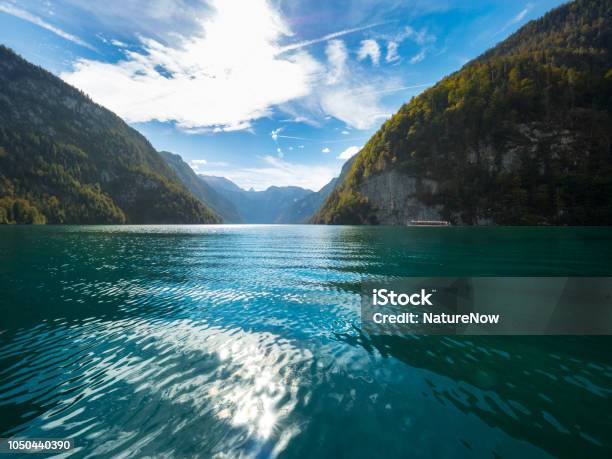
245, 341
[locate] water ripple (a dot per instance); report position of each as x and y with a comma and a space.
245, 341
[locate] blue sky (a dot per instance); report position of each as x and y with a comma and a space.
277, 92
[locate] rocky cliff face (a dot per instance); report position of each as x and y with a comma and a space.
520, 135
395, 198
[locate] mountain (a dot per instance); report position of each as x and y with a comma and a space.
222, 184
289, 204
201, 189
65, 159
520, 135
267, 206
303, 209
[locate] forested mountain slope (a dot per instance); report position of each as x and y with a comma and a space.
520, 135
65, 159
202, 190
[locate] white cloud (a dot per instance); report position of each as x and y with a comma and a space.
326, 150
241, 126
345, 132
369, 48
516, 19
346, 91
133, 18
278, 172
349, 152
358, 110
196, 164
521, 15
300, 119
27, 16
420, 37
275, 133
337, 56
118, 44
392, 54
418, 57
218, 78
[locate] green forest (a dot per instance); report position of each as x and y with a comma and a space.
65, 159
520, 135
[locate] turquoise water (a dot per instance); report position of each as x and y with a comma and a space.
183, 341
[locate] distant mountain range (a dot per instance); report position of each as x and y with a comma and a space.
233, 204
520, 135
259, 206
302, 210
288, 204
65, 159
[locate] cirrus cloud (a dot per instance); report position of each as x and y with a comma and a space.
369, 48
27, 16
215, 79
418, 57
392, 54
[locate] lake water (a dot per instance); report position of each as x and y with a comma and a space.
183, 341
